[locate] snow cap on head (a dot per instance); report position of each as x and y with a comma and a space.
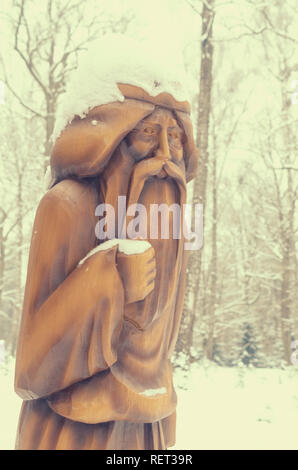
119, 84
117, 59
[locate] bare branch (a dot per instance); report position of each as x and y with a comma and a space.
273, 28
6, 81
286, 168
236, 38
193, 7
25, 60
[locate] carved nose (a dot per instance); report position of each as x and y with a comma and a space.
163, 151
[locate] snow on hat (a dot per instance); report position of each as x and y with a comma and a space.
116, 67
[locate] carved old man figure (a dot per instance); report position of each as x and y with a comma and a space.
100, 321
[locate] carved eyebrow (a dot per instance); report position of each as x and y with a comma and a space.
175, 128
142, 125
147, 124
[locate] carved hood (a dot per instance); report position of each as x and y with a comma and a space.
84, 151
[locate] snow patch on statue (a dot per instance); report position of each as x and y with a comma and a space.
126, 246
119, 59
151, 392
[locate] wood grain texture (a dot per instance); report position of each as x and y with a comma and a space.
93, 365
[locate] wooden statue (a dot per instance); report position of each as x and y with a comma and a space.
99, 325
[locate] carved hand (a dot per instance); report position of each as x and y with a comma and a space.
138, 273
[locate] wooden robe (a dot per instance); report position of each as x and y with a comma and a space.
93, 371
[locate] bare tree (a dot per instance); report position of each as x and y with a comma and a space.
199, 188
47, 40
48, 47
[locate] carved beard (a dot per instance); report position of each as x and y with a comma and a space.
124, 177
154, 169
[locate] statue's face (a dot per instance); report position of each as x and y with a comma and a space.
157, 136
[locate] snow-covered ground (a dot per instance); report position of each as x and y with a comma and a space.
238, 408
218, 408
10, 405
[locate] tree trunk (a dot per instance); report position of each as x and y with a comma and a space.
213, 287
12, 340
199, 189
288, 244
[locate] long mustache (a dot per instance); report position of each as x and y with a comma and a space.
147, 168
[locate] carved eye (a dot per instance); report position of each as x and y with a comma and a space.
149, 130
175, 137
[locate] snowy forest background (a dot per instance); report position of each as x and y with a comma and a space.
240, 312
